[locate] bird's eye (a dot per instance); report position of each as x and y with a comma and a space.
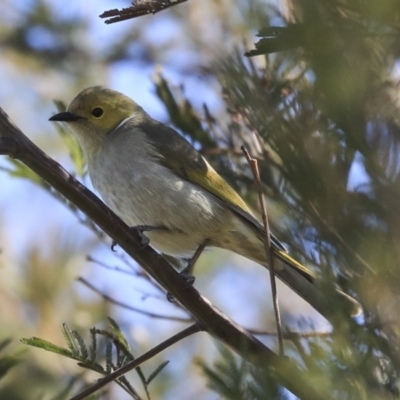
97, 112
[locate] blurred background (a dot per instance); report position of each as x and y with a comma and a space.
317, 102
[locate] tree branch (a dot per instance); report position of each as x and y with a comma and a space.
14, 143
138, 9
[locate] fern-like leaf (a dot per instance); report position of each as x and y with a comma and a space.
45, 345
108, 358
93, 344
81, 343
156, 372
70, 339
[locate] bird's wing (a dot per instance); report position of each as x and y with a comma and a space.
176, 153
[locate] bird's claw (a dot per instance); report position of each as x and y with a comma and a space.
189, 283
188, 278
140, 229
144, 240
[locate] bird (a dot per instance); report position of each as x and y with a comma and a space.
156, 181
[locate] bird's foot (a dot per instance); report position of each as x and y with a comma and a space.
186, 273
140, 229
189, 283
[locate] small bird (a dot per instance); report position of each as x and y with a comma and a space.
154, 179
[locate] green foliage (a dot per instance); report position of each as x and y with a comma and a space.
102, 358
182, 113
234, 379
316, 112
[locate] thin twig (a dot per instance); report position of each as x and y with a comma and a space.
128, 307
138, 9
138, 361
134, 271
268, 249
289, 335
140, 273
109, 267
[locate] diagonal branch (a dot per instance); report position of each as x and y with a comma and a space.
14, 143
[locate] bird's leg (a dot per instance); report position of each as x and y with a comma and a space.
188, 270
186, 273
140, 229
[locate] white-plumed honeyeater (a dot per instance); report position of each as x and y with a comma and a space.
151, 176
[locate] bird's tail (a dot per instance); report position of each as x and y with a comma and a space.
288, 277
251, 244
291, 262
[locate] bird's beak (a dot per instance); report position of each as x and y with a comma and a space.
65, 117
